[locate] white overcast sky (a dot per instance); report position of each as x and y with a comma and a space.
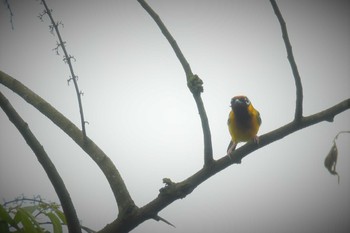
145, 119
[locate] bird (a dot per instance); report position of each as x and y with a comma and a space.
243, 122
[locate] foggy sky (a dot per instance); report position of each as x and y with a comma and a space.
144, 118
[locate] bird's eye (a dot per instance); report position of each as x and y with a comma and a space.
247, 100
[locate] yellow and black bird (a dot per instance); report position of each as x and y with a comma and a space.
243, 122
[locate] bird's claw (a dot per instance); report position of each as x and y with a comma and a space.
231, 149
256, 139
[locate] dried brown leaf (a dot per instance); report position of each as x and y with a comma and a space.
330, 161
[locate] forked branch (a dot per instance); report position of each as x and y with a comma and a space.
174, 191
130, 216
121, 193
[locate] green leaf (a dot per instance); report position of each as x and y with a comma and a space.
4, 226
61, 215
56, 223
17, 218
29, 222
22, 216
4, 216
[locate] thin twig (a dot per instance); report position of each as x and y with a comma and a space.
6, 2
23, 199
55, 178
158, 218
191, 78
68, 59
341, 132
297, 79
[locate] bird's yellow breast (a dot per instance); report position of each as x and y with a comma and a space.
242, 131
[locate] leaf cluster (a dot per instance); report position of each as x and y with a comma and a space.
29, 215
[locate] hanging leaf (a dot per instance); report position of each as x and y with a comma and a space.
61, 215
4, 227
23, 217
56, 223
29, 222
6, 218
330, 161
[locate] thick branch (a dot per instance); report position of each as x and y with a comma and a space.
208, 151
175, 191
121, 194
299, 87
68, 59
50, 169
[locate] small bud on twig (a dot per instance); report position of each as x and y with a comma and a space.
195, 84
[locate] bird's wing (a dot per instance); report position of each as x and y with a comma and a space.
258, 118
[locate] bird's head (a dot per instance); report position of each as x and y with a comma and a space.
240, 102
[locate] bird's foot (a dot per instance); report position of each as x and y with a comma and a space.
231, 149
256, 139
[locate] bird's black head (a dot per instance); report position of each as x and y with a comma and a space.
238, 102
240, 105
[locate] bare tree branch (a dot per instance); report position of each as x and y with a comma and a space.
121, 193
174, 191
169, 37
50, 169
194, 83
68, 59
297, 79
130, 216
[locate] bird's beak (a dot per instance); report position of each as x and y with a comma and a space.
237, 102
